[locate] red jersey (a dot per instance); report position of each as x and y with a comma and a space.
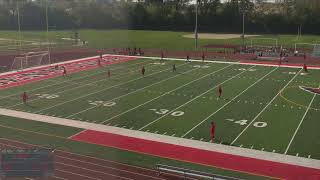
212, 130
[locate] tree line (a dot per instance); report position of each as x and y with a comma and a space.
176, 15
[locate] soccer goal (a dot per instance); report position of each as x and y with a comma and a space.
307, 48
267, 46
30, 59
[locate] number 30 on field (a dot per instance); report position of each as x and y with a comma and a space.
165, 111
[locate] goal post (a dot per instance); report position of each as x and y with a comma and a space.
307, 48
264, 42
30, 59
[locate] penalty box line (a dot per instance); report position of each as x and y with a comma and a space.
258, 115
259, 80
191, 100
297, 129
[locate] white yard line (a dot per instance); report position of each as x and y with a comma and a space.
257, 154
127, 94
194, 99
86, 95
82, 77
265, 108
304, 116
168, 92
230, 101
77, 87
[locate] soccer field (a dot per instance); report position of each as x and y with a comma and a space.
262, 108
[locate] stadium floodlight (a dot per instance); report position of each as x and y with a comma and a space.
30, 59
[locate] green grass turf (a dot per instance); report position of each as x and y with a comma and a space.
147, 39
250, 114
55, 136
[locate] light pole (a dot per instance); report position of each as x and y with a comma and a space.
47, 23
196, 27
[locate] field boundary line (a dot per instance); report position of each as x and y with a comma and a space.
137, 90
258, 115
230, 101
300, 161
168, 92
82, 77
83, 85
104, 89
191, 100
301, 121
295, 66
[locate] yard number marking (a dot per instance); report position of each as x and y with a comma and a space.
165, 111
47, 96
243, 122
102, 103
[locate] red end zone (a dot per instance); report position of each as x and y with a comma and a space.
198, 156
36, 74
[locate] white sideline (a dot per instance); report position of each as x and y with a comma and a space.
304, 116
269, 156
229, 101
255, 118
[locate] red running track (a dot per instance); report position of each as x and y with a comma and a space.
41, 73
198, 156
71, 166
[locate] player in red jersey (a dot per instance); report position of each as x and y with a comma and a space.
188, 58
212, 131
64, 73
24, 97
162, 56
143, 70
220, 91
203, 57
305, 68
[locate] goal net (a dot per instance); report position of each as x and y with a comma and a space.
316, 50
30, 59
267, 46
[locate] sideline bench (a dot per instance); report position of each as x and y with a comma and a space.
188, 173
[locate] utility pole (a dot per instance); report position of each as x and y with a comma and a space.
196, 27
47, 23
